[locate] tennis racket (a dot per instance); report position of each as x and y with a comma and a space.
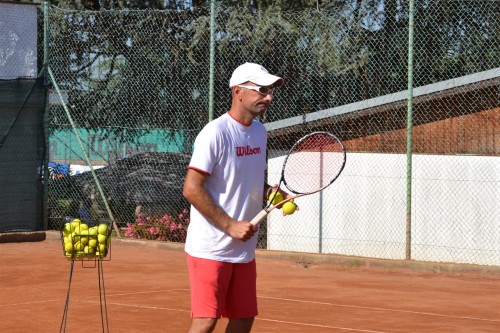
313, 164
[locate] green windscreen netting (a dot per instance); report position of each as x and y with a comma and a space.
22, 103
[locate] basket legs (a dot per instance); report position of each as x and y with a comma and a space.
66, 306
102, 299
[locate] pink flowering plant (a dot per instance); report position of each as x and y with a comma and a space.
164, 228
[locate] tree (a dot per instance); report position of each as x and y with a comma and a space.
344, 52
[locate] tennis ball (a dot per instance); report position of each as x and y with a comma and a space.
77, 230
275, 199
84, 226
93, 231
102, 249
76, 222
289, 208
102, 229
93, 242
79, 246
84, 236
68, 247
66, 230
102, 238
88, 250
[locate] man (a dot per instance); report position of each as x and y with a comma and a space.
225, 185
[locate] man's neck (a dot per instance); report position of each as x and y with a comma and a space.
241, 117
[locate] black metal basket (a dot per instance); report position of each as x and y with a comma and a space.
85, 241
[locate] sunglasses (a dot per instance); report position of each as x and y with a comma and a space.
264, 91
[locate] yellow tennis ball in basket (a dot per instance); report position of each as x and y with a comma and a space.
289, 208
88, 250
79, 246
77, 230
93, 242
67, 229
93, 231
84, 239
102, 239
68, 246
75, 223
102, 248
275, 199
102, 229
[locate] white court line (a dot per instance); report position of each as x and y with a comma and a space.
137, 306
146, 292
257, 318
335, 304
322, 326
30, 303
381, 309
89, 296
266, 319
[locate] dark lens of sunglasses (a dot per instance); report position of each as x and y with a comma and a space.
265, 90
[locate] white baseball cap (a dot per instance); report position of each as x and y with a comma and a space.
254, 73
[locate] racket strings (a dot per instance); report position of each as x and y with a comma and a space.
313, 163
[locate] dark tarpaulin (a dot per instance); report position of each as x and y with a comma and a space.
22, 149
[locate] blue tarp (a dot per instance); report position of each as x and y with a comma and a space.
59, 168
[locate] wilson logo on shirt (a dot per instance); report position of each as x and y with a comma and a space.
244, 151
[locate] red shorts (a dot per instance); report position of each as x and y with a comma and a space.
222, 289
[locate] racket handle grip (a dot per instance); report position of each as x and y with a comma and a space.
259, 217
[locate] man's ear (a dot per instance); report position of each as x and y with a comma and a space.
237, 92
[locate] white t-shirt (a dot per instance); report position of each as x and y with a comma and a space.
234, 155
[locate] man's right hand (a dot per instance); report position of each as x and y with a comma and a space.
241, 230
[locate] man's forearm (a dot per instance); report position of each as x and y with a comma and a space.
204, 203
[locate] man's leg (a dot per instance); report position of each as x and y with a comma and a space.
239, 325
209, 281
241, 299
202, 325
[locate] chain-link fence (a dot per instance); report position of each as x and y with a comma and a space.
137, 88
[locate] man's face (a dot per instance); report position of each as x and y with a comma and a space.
255, 99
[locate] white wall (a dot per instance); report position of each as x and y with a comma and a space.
455, 210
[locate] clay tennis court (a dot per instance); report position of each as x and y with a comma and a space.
147, 290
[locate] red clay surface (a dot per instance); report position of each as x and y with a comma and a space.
147, 290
